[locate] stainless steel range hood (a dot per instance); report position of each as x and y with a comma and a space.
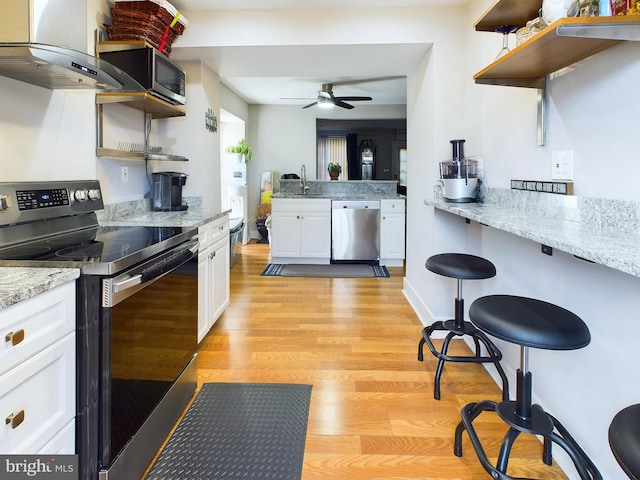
42, 42
55, 67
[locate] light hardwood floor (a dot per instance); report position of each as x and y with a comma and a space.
372, 413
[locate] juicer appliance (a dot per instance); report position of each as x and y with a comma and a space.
459, 176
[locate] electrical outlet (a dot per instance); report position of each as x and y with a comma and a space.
562, 165
124, 174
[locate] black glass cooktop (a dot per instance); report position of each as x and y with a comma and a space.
125, 246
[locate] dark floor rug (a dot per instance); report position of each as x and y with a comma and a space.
334, 270
239, 430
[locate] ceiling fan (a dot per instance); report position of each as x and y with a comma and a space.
326, 99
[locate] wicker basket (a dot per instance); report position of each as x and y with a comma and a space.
136, 18
149, 34
161, 8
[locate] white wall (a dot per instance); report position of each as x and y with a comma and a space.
193, 140
45, 134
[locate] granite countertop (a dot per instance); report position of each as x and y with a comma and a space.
21, 283
597, 230
193, 217
339, 190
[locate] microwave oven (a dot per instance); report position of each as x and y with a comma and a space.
153, 70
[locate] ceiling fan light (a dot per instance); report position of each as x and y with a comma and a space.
324, 102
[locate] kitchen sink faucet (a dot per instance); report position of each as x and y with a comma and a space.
303, 179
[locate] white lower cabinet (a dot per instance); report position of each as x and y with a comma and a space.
301, 230
38, 374
213, 273
392, 232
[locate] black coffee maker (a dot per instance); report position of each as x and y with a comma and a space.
167, 191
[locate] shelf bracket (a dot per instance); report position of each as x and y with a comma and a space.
541, 130
607, 31
99, 126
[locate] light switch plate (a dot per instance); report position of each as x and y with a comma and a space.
124, 174
562, 165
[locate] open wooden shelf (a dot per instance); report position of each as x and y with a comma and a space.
157, 107
117, 46
508, 12
561, 44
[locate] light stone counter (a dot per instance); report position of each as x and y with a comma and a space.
21, 283
598, 230
351, 190
187, 218
137, 213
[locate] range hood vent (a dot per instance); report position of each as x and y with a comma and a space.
43, 42
56, 67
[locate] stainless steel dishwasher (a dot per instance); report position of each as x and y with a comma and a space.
355, 230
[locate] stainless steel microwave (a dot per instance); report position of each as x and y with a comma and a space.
153, 70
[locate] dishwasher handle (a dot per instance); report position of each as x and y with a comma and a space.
355, 204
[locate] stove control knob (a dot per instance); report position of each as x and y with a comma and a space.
94, 194
80, 195
4, 202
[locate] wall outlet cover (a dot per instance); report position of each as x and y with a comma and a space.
562, 165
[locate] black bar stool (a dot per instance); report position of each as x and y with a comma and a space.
528, 323
462, 267
624, 440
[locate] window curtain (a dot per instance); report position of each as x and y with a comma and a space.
353, 157
332, 149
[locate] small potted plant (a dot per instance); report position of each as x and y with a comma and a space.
242, 149
334, 170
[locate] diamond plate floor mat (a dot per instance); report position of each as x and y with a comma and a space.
238, 430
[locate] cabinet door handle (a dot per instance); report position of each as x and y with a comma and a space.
14, 337
221, 227
15, 419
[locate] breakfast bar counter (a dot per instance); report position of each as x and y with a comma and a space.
597, 230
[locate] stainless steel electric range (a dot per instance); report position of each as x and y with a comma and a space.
136, 311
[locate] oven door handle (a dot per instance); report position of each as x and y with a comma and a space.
164, 267
182, 256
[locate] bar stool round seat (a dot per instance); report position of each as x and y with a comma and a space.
529, 323
460, 266
624, 440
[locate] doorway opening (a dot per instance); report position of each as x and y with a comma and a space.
233, 170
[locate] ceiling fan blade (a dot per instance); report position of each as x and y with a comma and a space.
310, 105
353, 99
340, 103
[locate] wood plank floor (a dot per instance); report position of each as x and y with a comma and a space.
372, 414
